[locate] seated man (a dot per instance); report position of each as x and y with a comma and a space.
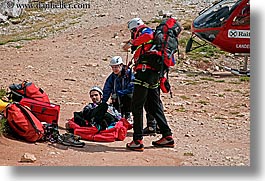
97, 113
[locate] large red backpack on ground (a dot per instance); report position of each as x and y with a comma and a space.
23, 123
116, 133
33, 97
44, 111
28, 90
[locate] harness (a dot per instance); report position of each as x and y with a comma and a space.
142, 45
141, 66
145, 84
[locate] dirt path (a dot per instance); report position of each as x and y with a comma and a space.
209, 115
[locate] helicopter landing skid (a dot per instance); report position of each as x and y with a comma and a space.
238, 72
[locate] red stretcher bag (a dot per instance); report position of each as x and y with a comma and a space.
116, 133
44, 111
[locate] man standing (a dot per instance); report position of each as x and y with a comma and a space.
146, 86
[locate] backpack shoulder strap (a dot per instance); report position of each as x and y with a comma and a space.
25, 112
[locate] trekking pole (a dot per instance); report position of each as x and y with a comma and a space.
126, 61
120, 106
127, 56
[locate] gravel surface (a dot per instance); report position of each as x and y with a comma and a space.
209, 113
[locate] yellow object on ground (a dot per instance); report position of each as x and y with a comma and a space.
3, 105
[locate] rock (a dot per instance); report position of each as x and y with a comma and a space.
164, 13
28, 157
10, 9
134, 13
115, 35
3, 18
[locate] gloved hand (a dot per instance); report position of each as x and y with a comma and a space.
127, 45
114, 96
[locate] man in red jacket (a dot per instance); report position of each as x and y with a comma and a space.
146, 86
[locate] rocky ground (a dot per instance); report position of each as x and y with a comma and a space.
209, 112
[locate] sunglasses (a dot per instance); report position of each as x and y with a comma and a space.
133, 30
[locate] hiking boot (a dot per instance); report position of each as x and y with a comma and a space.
75, 137
70, 140
167, 141
135, 145
149, 131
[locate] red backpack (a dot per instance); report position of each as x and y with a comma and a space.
166, 40
23, 123
28, 90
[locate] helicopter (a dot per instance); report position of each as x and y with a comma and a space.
226, 25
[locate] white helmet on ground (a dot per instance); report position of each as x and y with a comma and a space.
134, 23
116, 60
96, 88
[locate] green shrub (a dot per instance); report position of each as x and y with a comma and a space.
2, 92
2, 119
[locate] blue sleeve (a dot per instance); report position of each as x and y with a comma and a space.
108, 88
147, 31
129, 84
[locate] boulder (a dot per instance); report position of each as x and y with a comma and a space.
9, 7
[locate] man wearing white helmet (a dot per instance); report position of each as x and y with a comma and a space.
96, 112
119, 87
135, 23
95, 94
146, 86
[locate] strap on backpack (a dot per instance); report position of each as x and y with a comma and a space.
24, 86
25, 112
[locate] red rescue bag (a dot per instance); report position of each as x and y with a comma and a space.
44, 111
116, 133
23, 122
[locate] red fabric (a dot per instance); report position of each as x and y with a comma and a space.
141, 39
117, 133
30, 90
164, 85
140, 66
140, 51
126, 124
169, 24
45, 112
20, 123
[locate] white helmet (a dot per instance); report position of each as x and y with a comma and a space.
96, 88
134, 23
116, 60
